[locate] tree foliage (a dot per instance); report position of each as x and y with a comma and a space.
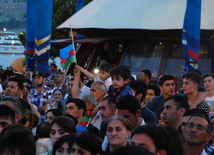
62, 10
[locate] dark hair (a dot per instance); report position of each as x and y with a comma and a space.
111, 101
147, 72
59, 90
196, 71
14, 137
105, 67
79, 103
122, 70
55, 112
158, 134
7, 113
64, 139
130, 103
195, 78
165, 78
207, 75
176, 146
71, 79
89, 142
72, 117
154, 82
28, 81
140, 87
19, 82
191, 112
65, 123
43, 130
155, 88
131, 150
7, 73
19, 107
59, 72
54, 65
180, 100
210, 127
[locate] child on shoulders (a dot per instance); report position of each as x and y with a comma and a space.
120, 78
104, 75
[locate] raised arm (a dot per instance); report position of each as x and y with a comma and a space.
75, 88
88, 74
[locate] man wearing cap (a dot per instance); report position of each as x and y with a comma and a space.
41, 94
59, 82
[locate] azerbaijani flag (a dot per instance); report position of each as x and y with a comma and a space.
191, 35
67, 56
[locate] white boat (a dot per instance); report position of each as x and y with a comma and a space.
10, 44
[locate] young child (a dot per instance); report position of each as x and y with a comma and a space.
104, 75
120, 78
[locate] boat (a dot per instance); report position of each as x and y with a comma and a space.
10, 43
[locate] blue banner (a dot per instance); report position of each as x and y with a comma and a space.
80, 5
191, 35
43, 34
30, 34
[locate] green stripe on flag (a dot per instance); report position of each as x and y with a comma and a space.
72, 59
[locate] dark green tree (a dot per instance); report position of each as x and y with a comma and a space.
62, 10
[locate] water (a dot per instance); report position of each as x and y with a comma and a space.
7, 59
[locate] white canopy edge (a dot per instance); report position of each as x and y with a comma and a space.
137, 14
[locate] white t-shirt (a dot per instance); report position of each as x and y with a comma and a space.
210, 102
107, 82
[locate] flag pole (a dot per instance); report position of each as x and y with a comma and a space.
71, 35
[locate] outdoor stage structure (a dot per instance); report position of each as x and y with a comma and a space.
141, 35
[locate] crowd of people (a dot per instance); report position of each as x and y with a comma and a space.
109, 113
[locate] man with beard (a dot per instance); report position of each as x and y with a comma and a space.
59, 82
14, 87
41, 94
196, 133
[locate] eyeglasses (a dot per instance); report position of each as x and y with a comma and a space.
184, 124
198, 126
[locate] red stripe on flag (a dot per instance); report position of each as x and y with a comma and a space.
31, 52
71, 53
193, 54
83, 123
63, 61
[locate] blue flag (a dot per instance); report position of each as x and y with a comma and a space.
43, 34
30, 34
191, 34
80, 5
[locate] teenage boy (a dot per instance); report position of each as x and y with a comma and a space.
208, 80
104, 75
167, 87
120, 76
191, 82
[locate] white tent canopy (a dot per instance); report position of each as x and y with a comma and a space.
137, 14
